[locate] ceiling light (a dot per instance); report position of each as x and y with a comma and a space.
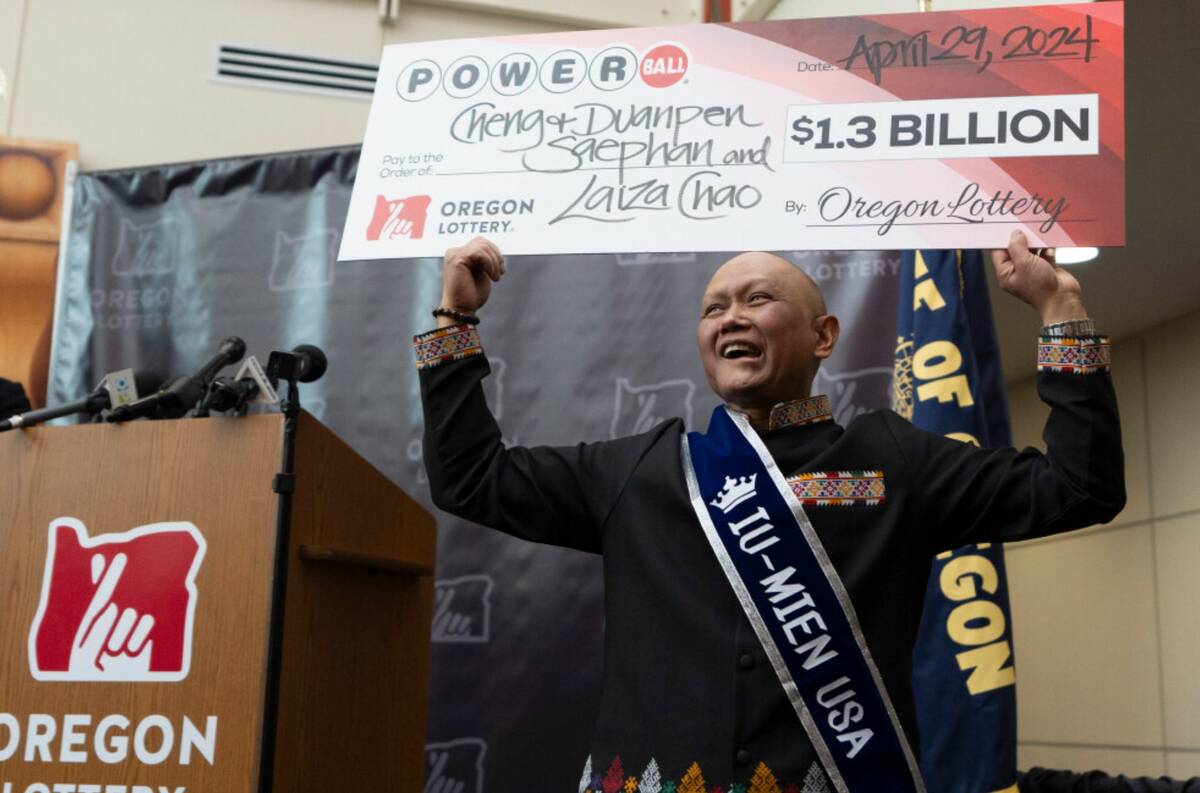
1076, 255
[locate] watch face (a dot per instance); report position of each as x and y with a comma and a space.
1071, 327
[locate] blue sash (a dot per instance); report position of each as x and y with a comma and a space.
798, 606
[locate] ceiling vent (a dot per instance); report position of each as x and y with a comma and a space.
286, 71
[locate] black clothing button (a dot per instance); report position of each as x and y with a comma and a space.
746, 661
742, 756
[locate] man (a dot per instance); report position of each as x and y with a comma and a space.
721, 672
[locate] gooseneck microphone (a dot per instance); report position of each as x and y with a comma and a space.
230, 351
180, 394
93, 403
304, 364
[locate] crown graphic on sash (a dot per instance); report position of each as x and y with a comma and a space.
735, 492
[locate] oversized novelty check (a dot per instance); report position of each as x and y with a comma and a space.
936, 130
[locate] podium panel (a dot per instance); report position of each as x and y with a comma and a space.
139, 649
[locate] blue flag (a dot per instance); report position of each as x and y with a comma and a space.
947, 380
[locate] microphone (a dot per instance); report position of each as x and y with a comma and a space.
225, 393
230, 351
305, 363
181, 393
115, 388
249, 386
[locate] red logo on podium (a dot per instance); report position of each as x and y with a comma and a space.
403, 217
117, 607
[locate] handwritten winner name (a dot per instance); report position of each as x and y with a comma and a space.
611, 140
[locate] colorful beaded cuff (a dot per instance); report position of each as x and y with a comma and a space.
839, 488
1074, 356
446, 344
799, 412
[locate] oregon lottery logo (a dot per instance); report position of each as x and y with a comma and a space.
117, 607
399, 217
660, 66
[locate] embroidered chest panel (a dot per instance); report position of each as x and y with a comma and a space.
839, 488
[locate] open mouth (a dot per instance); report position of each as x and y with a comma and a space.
739, 350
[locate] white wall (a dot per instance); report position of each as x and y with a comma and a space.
12, 17
1106, 621
130, 80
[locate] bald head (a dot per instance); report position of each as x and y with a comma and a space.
764, 330
792, 277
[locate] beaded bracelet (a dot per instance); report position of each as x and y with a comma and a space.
458, 316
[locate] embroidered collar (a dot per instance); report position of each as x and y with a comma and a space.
800, 412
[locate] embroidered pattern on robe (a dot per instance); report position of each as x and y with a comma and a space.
800, 412
692, 781
1074, 356
839, 488
446, 344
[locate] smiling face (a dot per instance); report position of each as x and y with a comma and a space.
763, 332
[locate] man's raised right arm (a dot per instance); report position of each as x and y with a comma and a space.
558, 495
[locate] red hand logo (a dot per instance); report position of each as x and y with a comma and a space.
117, 606
402, 217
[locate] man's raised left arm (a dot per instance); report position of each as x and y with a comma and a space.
966, 494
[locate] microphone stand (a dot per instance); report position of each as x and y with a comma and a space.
93, 403
284, 486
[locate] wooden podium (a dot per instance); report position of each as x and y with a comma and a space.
172, 657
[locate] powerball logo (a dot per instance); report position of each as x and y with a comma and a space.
401, 217
117, 607
662, 65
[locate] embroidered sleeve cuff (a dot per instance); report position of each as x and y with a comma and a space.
1087, 355
446, 344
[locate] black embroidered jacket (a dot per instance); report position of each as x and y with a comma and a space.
699, 699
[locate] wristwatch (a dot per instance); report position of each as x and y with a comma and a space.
1072, 328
